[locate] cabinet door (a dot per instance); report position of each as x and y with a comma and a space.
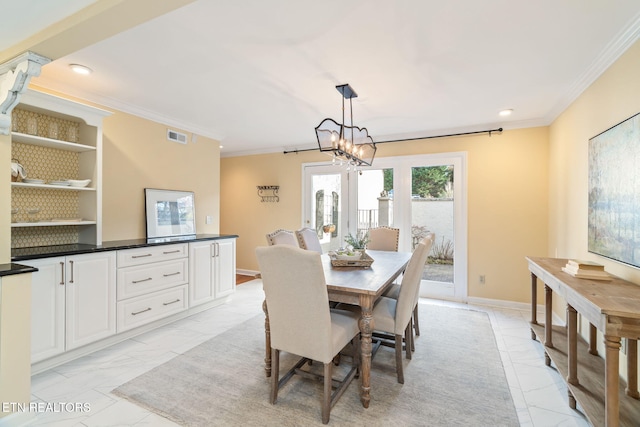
225, 267
90, 298
47, 308
201, 274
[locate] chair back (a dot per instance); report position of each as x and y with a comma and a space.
410, 286
282, 237
383, 239
297, 301
308, 239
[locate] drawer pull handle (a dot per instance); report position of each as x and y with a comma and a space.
172, 302
141, 311
171, 274
171, 252
141, 280
140, 256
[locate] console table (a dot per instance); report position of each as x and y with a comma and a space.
613, 307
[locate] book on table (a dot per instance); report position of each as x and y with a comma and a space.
586, 273
585, 265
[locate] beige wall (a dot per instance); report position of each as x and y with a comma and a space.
507, 202
614, 97
137, 155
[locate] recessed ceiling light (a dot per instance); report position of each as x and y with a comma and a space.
505, 113
81, 69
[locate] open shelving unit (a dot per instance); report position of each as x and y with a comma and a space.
48, 156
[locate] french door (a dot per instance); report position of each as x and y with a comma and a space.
417, 194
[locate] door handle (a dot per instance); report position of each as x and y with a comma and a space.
62, 273
71, 264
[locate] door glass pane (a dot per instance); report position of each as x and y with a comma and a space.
432, 211
326, 210
375, 199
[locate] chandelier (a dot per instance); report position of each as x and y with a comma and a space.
347, 143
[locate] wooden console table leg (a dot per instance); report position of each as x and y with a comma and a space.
534, 303
632, 369
593, 343
572, 350
611, 398
548, 311
267, 340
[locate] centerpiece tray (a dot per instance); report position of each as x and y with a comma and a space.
364, 261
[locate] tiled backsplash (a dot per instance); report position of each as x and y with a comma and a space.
22, 121
25, 237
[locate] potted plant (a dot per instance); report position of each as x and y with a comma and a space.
359, 241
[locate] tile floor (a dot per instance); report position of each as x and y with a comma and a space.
538, 391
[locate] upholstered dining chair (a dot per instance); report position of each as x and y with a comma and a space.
393, 316
308, 239
282, 237
383, 239
301, 321
394, 290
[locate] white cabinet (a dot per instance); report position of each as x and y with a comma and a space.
47, 308
73, 302
212, 266
90, 298
152, 284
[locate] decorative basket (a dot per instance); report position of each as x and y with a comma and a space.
364, 261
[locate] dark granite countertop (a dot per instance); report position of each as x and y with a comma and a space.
23, 254
11, 269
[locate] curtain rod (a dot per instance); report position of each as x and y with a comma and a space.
489, 131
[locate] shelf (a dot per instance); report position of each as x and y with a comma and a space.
50, 223
50, 143
51, 187
591, 375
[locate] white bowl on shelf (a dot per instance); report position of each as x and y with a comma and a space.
79, 182
32, 181
63, 183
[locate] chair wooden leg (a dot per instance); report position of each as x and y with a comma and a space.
408, 340
399, 359
326, 396
275, 374
416, 326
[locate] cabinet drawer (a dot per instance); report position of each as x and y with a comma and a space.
138, 256
142, 279
144, 309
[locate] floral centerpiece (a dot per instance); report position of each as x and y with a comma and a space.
359, 241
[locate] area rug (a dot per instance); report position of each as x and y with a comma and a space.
455, 378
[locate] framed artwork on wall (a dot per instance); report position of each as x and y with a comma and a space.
614, 192
169, 213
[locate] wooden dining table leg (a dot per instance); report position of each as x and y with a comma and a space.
366, 330
267, 340
611, 398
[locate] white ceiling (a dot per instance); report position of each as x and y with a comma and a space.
260, 75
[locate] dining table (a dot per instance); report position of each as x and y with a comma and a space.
360, 286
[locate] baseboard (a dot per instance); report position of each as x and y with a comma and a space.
243, 272
556, 320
